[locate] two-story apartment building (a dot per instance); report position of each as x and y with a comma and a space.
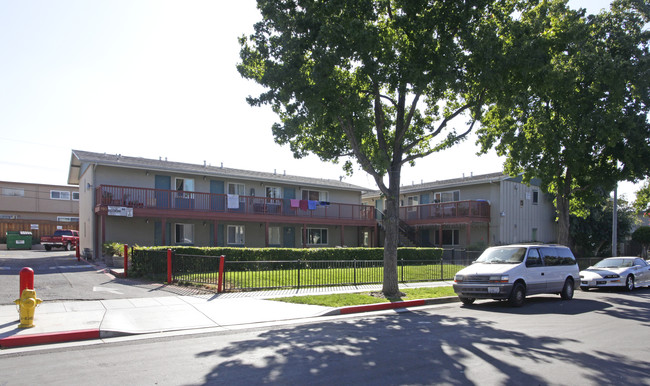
474, 211
159, 202
39, 208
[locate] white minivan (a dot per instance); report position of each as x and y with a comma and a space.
512, 272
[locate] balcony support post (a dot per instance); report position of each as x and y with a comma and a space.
469, 234
216, 233
164, 230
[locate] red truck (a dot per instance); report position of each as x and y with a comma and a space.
62, 238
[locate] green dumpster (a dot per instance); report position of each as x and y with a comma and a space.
19, 240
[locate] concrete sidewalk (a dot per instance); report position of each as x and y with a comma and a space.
82, 320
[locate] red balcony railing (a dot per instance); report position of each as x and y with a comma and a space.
478, 209
176, 200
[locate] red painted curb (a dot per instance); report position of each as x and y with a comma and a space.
381, 306
50, 337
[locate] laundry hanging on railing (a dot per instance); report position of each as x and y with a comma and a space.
311, 205
323, 203
295, 203
304, 205
233, 201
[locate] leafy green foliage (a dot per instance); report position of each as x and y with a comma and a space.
382, 83
576, 114
642, 236
592, 234
642, 202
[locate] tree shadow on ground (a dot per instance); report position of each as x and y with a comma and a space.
416, 348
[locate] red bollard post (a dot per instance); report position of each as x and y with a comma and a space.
169, 266
26, 279
77, 252
126, 258
220, 280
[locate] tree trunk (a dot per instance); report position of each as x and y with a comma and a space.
563, 209
391, 226
563, 220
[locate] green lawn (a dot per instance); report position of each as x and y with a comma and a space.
314, 277
356, 299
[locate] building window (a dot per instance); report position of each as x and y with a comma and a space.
18, 192
75, 196
184, 233
59, 195
274, 235
315, 195
185, 185
535, 197
273, 192
316, 236
411, 202
67, 219
238, 189
450, 196
236, 235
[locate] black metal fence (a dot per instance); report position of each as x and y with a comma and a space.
256, 275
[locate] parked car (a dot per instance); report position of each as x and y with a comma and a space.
626, 272
62, 238
515, 271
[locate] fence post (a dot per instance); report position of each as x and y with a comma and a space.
220, 280
355, 270
169, 266
126, 259
298, 273
402, 268
442, 273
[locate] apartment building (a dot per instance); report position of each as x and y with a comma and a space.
158, 202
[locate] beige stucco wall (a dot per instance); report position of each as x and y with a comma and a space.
36, 202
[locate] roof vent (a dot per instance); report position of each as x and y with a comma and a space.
205, 163
222, 165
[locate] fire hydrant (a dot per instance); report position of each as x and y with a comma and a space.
27, 304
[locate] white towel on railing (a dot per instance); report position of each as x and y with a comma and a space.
233, 201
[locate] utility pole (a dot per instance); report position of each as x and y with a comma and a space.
615, 223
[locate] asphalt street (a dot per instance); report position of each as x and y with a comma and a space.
58, 276
597, 338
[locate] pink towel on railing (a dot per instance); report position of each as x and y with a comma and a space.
295, 203
304, 205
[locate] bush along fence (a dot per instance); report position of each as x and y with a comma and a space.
244, 269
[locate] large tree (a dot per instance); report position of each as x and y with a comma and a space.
382, 83
592, 234
579, 119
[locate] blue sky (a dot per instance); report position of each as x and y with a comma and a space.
153, 78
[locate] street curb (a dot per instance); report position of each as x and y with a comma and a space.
390, 306
79, 335
50, 337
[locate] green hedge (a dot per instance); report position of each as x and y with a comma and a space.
153, 260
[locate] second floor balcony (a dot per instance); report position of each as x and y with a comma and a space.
446, 212
171, 203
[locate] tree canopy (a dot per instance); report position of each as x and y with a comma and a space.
382, 83
577, 116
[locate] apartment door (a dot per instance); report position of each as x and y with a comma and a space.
289, 237
287, 195
163, 187
217, 203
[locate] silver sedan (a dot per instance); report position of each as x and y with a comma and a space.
627, 272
